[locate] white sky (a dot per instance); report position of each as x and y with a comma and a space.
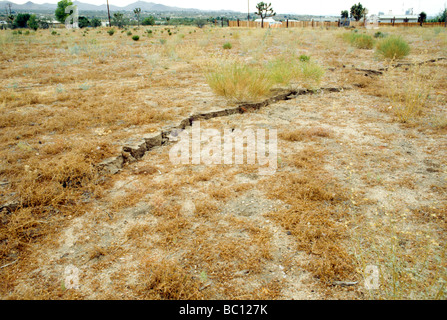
314, 7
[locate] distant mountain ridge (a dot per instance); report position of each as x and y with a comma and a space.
145, 6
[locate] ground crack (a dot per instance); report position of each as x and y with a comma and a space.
136, 151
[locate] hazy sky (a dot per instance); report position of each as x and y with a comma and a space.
314, 7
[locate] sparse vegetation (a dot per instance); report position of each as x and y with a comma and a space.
227, 45
311, 74
239, 82
360, 177
304, 58
379, 34
393, 47
200, 22
409, 99
255, 81
360, 40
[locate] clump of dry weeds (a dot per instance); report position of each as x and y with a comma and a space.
166, 280
316, 215
408, 99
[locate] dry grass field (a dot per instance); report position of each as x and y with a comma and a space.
361, 178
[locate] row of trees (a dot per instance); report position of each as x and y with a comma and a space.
26, 20
264, 11
118, 19
441, 16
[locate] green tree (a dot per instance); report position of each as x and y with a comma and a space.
33, 23
137, 12
357, 11
83, 22
264, 11
118, 19
422, 17
60, 10
21, 20
345, 14
200, 22
95, 22
148, 21
442, 16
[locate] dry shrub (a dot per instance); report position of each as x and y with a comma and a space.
222, 250
167, 280
44, 188
409, 98
317, 233
393, 47
17, 230
239, 82
315, 215
205, 208
295, 71
55, 182
306, 134
292, 135
172, 230
361, 41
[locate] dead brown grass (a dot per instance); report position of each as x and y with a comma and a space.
69, 102
316, 215
166, 280
303, 134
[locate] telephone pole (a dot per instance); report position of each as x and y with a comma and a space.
248, 16
8, 8
108, 12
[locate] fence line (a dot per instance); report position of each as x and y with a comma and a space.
317, 24
412, 24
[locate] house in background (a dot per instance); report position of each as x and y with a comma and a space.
270, 21
398, 18
57, 24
